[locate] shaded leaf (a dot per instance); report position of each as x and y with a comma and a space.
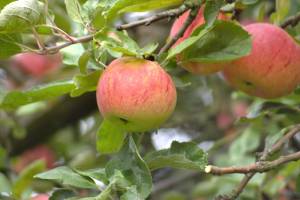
62, 194
67, 176
72, 54
98, 174
186, 155
9, 45
85, 83
15, 99
133, 167
4, 3
22, 14
211, 12
5, 185
26, 177
110, 136
226, 41
74, 10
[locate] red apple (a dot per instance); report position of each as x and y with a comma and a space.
224, 120
37, 65
194, 67
39, 152
240, 109
40, 197
136, 91
273, 67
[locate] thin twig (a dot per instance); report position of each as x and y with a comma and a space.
159, 16
291, 21
58, 30
55, 49
267, 152
192, 15
146, 21
256, 167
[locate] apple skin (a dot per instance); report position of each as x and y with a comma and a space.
40, 197
136, 91
39, 152
195, 67
37, 65
272, 69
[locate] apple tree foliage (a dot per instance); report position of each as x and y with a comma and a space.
81, 31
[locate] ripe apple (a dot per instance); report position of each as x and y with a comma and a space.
40, 197
39, 152
37, 65
272, 69
224, 120
136, 91
240, 109
194, 67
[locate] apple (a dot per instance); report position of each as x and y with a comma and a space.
39, 152
40, 197
272, 69
137, 92
240, 109
224, 120
200, 68
37, 65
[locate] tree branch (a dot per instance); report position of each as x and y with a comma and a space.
55, 49
259, 167
291, 21
261, 164
146, 22
154, 18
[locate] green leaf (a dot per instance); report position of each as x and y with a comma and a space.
248, 2
186, 155
134, 169
211, 12
15, 99
26, 177
21, 14
9, 45
282, 10
85, 83
110, 136
62, 194
5, 185
143, 6
4, 3
247, 142
83, 62
188, 42
72, 54
67, 176
74, 10
226, 41
149, 49
98, 174
131, 194
3, 154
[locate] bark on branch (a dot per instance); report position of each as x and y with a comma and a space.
261, 164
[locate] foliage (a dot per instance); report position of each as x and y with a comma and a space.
95, 158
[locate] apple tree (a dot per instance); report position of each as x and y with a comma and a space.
157, 99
